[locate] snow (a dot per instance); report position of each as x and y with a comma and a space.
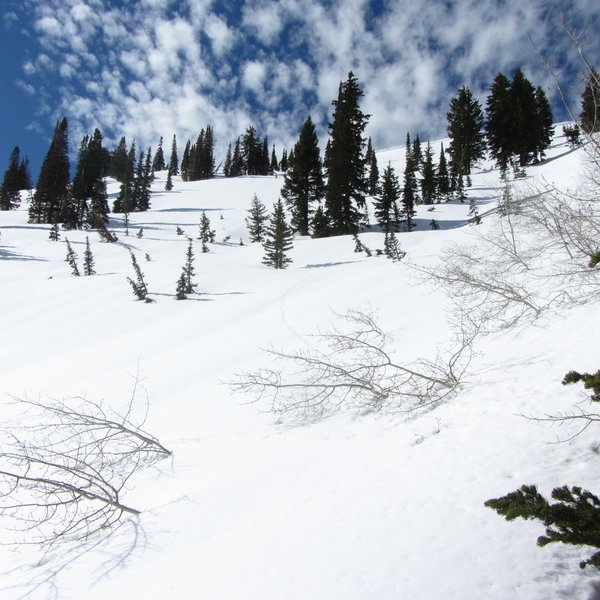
357, 506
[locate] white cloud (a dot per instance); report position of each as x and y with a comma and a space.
253, 75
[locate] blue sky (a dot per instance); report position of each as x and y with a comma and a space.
152, 68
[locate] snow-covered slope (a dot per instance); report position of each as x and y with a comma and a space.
358, 506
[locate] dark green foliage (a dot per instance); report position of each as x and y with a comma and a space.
256, 219
278, 239
320, 224
373, 168
499, 125
443, 177
416, 155
227, 163
465, 129
185, 162
542, 123
174, 160
251, 153
97, 222
11, 183
525, 116
199, 161
54, 234
124, 202
25, 175
573, 135
429, 181
274, 162
140, 290
303, 183
205, 234
52, 195
590, 103
434, 225
158, 163
391, 247
409, 192
386, 203
359, 246
185, 284
72, 259
118, 166
283, 163
140, 233
347, 183
594, 260
590, 382
573, 519
88, 259
169, 182
179, 231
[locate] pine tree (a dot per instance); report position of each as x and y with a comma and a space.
139, 287
174, 160
251, 152
416, 154
25, 175
227, 163
237, 162
72, 259
499, 124
428, 180
54, 234
524, 107
391, 247
52, 190
386, 203
283, 163
169, 182
188, 269
590, 103
278, 239
180, 289
119, 161
205, 234
543, 123
158, 163
443, 178
409, 194
125, 201
9, 191
88, 259
373, 168
303, 183
465, 129
320, 224
185, 162
257, 217
347, 184
274, 163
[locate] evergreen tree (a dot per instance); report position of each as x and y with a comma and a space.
524, 107
251, 152
274, 163
139, 287
237, 161
72, 259
590, 103
185, 162
25, 175
205, 234
386, 204
174, 160
158, 163
409, 194
373, 168
52, 194
543, 123
88, 259
125, 200
283, 164
391, 247
443, 178
227, 163
257, 217
119, 161
278, 239
185, 285
465, 129
416, 154
265, 164
303, 183
428, 180
499, 124
169, 183
54, 234
347, 184
9, 191
320, 224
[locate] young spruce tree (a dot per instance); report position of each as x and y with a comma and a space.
256, 219
278, 239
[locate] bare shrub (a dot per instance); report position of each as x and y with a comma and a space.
355, 370
63, 470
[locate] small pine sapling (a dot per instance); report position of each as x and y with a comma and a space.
72, 259
180, 289
147, 257
88, 259
54, 234
140, 233
391, 247
126, 223
434, 224
256, 220
179, 231
278, 239
140, 290
474, 217
169, 183
206, 234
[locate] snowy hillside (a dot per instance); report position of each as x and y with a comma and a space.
364, 505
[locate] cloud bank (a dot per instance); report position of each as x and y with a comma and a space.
152, 68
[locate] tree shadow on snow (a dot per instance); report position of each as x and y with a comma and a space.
8, 255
